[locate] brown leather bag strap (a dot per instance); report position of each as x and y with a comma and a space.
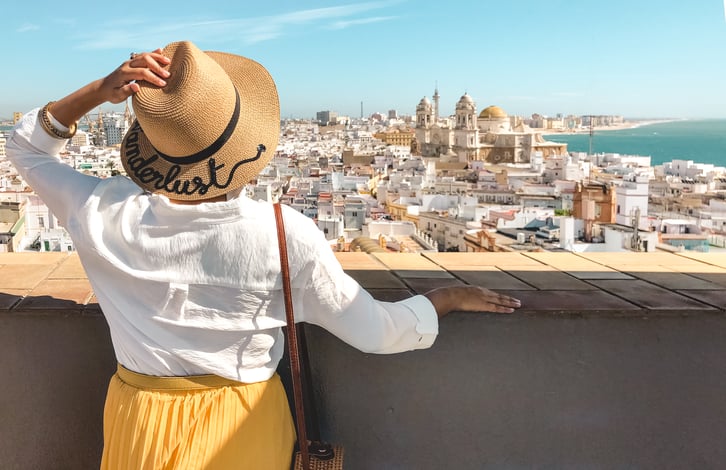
292, 343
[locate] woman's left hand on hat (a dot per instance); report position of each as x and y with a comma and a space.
144, 66
114, 88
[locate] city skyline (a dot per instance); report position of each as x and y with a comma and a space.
647, 59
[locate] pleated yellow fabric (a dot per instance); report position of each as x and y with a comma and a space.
204, 422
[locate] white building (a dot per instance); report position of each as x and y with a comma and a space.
342, 182
354, 214
563, 167
330, 222
448, 232
41, 230
114, 127
624, 238
262, 192
632, 202
80, 140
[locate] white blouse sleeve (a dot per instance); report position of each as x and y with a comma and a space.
34, 153
336, 302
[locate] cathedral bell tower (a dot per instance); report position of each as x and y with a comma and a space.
423, 114
423, 123
466, 132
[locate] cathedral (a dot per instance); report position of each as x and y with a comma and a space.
492, 136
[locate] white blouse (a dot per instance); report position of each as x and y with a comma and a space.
197, 289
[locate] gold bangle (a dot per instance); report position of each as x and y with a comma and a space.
53, 131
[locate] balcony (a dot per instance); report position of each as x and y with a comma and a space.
615, 360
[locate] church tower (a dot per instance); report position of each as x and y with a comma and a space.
466, 132
465, 113
423, 114
423, 124
436, 104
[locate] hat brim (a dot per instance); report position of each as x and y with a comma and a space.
236, 163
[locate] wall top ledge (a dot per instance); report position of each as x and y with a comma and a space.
619, 284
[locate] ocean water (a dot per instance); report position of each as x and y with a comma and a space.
703, 141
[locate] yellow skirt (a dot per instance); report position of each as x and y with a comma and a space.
201, 422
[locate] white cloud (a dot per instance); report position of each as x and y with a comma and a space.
348, 23
142, 34
27, 27
316, 14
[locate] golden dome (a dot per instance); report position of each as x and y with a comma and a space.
492, 112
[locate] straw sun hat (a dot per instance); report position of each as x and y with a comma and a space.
210, 130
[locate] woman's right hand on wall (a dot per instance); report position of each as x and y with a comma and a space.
470, 299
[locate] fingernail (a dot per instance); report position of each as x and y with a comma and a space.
161, 83
165, 73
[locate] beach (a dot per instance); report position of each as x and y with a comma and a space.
628, 124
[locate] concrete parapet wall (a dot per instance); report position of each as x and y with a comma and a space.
535, 391
54, 369
522, 391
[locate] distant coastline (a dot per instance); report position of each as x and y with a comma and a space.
698, 140
628, 124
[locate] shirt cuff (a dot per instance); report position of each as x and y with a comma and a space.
428, 320
41, 140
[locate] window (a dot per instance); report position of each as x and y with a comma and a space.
41, 222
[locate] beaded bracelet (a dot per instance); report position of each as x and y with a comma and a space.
48, 126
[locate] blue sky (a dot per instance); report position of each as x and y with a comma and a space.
637, 58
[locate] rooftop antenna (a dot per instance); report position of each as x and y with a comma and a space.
592, 130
